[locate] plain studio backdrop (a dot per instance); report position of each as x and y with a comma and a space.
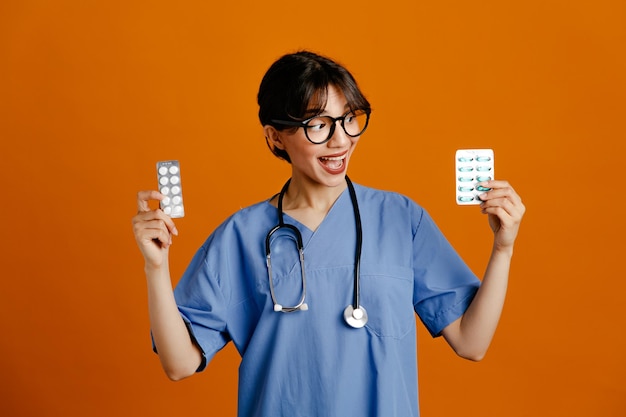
92, 94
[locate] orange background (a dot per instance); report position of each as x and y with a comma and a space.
92, 94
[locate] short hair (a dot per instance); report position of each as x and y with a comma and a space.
296, 87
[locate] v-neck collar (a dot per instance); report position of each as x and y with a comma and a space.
328, 214
307, 233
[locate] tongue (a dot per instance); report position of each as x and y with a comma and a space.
333, 164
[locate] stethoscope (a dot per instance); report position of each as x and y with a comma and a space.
354, 314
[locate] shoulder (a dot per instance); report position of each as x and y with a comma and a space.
392, 207
246, 223
385, 198
261, 211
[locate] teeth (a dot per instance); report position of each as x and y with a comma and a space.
334, 162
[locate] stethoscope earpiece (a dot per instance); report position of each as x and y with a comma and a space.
279, 308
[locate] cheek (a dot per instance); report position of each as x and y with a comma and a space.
300, 149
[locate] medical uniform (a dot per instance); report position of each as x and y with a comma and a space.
311, 363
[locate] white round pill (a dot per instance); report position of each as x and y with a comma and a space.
175, 189
175, 179
163, 181
166, 201
167, 210
176, 199
163, 170
178, 209
173, 169
165, 190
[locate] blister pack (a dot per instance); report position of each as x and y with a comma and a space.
168, 175
472, 166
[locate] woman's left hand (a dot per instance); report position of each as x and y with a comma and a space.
505, 209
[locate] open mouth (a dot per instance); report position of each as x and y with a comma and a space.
333, 163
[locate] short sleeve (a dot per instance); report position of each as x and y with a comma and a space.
201, 303
444, 284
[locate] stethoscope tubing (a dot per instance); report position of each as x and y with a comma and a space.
355, 315
359, 243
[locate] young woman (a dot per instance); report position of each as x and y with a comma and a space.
318, 286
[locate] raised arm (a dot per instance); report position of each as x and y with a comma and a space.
153, 230
471, 334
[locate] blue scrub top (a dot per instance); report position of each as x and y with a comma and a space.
311, 363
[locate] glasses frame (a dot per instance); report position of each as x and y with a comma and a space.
304, 124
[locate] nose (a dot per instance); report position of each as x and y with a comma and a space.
339, 137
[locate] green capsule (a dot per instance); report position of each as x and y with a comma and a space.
466, 169
483, 168
466, 189
465, 159
481, 188
482, 178
466, 179
464, 199
483, 158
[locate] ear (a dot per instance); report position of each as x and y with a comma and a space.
273, 137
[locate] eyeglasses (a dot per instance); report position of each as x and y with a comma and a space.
319, 129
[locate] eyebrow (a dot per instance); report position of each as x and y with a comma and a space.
346, 108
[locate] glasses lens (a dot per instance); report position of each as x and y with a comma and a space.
355, 122
318, 129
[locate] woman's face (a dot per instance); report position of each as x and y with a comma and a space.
323, 164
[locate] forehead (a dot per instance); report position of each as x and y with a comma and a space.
327, 99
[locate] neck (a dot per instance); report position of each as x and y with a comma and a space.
303, 194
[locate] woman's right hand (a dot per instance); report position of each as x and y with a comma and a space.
153, 229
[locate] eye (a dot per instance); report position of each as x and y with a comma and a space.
355, 116
317, 123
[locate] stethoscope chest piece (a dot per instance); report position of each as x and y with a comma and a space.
356, 318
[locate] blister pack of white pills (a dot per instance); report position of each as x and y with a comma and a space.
472, 166
168, 175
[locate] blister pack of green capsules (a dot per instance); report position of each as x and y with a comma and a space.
472, 166
168, 175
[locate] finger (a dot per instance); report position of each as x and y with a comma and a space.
169, 223
502, 211
492, 186
157, 236
499, 189
508, 212
495, 184
508, 205
145, 219
143, 198
145, 225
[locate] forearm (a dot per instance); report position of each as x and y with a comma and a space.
179, 356
471, 335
